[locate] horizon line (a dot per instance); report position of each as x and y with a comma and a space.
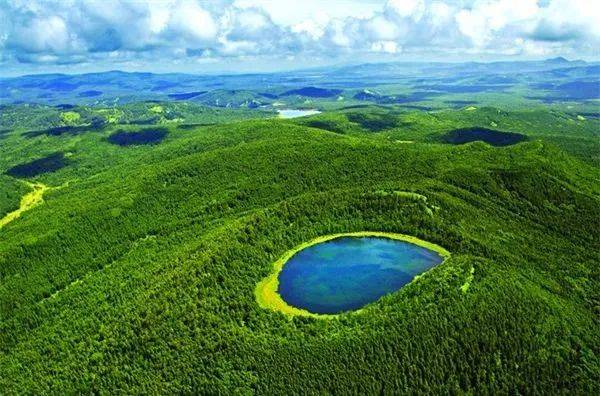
302, 69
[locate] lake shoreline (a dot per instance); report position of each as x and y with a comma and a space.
266, 292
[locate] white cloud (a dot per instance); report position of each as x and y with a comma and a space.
338, 33
440, 12
486, 19
248, 24
389, 47
63, 31
290, 13
381, 28
45, 34
312, 28
413, 9
192, 22
566, 20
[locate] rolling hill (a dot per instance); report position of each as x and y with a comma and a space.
137, 272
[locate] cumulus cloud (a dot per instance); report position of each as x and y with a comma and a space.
190, 23
488, 20
413, 9
252, 31
568, 20
73, 31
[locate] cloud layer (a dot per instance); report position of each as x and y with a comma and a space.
76, 31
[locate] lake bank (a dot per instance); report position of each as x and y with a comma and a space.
266, 291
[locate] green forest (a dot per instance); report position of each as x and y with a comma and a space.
137, 271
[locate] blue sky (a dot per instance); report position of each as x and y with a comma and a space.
202, 36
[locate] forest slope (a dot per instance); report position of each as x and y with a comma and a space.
140, 275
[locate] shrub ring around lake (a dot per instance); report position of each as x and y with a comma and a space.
266, 290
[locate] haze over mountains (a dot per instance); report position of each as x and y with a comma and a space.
409, 82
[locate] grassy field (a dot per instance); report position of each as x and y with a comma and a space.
139, 275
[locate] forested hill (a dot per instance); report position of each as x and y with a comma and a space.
136, 274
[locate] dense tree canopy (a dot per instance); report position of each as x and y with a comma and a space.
137, 273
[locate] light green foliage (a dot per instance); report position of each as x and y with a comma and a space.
465, 287
70, 117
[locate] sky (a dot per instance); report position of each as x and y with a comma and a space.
224, 36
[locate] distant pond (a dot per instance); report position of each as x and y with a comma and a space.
290, 113
346, 273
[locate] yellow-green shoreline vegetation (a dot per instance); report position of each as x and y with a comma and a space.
266, 290
29, 200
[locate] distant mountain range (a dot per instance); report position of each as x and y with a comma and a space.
256, 90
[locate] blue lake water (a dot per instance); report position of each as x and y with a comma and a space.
290, 113
347, 273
